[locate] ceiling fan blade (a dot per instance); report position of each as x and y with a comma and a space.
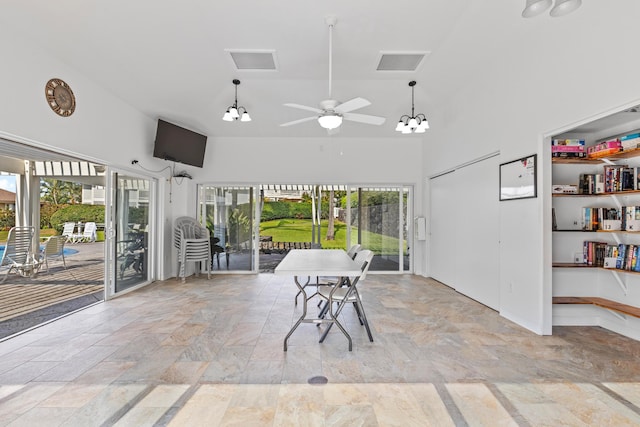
364, 118
295, 122
304, 107
352, 104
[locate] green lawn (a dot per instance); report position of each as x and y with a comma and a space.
299, 230
45, 232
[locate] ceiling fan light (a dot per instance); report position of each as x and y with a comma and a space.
535, 7
413, 123
400, 126
564, 7
227, 117
245, 117
330, 121
234, 112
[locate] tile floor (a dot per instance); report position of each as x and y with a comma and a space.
210, 352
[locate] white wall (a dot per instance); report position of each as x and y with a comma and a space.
552, 72
107, 130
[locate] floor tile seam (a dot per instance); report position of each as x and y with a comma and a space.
130, 404
508, 406
617, 397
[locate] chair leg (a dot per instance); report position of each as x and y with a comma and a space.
335, 316
364, 317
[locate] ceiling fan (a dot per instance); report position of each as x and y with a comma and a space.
331, 112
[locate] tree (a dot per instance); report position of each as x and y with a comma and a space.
331, 220
59, 192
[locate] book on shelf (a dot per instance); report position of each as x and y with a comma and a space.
604, 149
631, 141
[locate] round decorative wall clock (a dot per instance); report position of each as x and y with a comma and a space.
60, 97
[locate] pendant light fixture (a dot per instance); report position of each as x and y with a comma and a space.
234, 112
561, 7
413, 123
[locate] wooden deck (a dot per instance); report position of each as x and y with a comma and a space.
84, 275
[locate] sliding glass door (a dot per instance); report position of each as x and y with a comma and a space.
129, 231
228, 213
251, 232
379, 222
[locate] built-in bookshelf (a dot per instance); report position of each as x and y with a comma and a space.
579, 226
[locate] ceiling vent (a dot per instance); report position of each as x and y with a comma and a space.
253, 60
400, 61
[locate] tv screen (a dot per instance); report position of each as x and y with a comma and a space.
178, 144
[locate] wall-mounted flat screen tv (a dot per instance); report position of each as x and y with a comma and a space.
178, 144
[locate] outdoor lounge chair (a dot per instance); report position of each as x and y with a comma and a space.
18, 252
193, 244
88, 233
53, 248
67, 232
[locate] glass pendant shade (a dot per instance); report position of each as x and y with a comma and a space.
419, 129
535, 7
245, 117
234, 112
330, 121
227, 117
564, 7
400, 126
413, 123
406, 129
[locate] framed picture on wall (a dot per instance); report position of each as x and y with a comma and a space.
518, 179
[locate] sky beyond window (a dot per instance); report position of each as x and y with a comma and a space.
8, 182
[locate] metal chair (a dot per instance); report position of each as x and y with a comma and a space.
193, 244
18, 253
347, 294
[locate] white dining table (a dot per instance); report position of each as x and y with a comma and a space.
316, 262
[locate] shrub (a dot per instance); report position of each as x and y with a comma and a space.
75, 213
7, 219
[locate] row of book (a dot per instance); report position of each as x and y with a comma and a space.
619, 256
613, 179
575, 148
626, 218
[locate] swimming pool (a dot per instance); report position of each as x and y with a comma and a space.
67, 251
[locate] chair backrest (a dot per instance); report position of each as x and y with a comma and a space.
353, 250
364, 258
186, 227
19, 246
68, 228
89, 231
54, 246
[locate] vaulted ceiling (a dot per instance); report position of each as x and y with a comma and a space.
170, 59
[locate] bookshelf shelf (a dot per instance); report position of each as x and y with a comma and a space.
577, 265
627, 154
611, 193
600, 302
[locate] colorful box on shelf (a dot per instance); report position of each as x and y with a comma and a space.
567, 142
604, 149
564, 189
631, 141
567, 148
